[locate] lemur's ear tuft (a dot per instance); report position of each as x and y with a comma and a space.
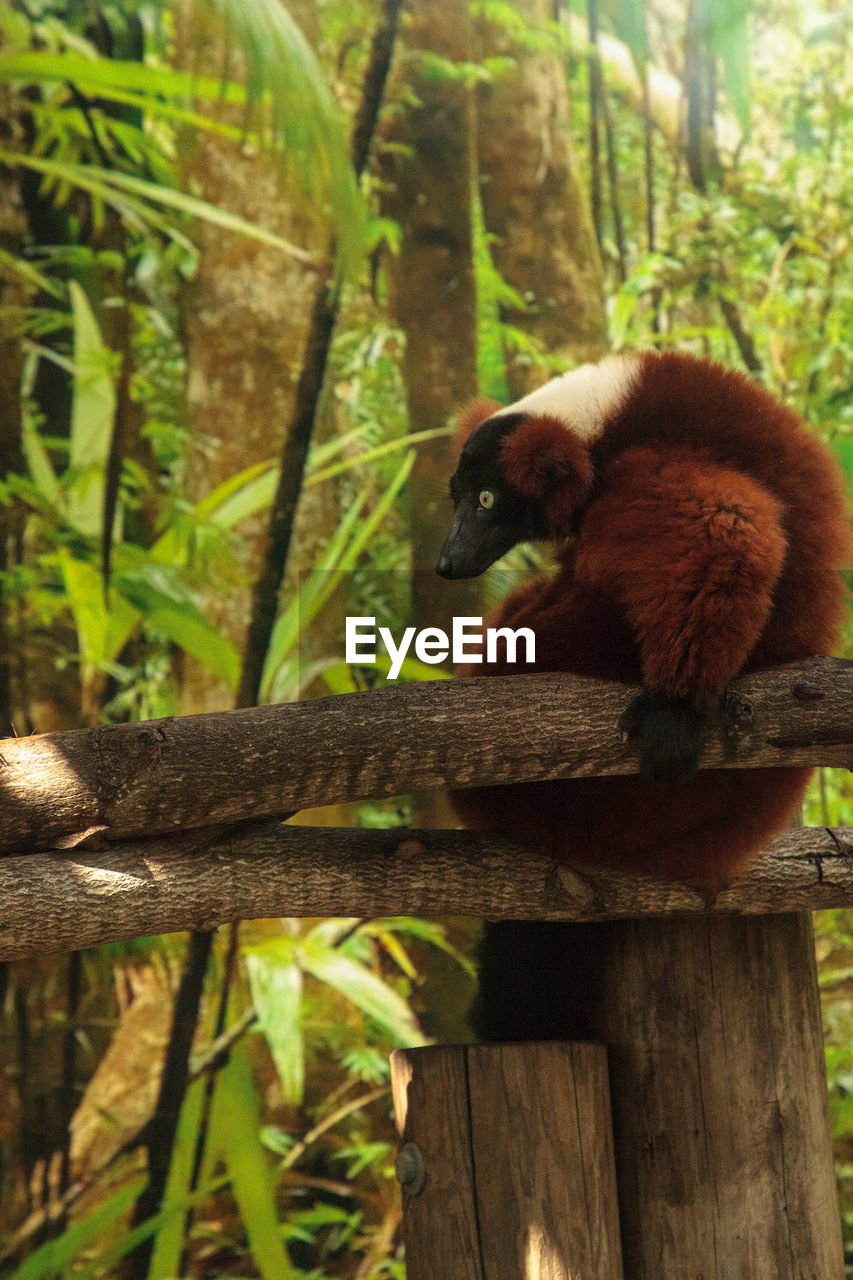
471, 416
547, 463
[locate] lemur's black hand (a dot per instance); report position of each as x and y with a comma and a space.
669, 734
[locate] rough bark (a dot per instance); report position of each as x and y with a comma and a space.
517, 1150
534, 204
202, 879
162, 776
724, 1154
718, 1082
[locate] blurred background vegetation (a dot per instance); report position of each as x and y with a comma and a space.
252, 257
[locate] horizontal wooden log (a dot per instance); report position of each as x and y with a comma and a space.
68, 900
163, 776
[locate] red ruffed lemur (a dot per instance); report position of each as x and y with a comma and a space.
699, 530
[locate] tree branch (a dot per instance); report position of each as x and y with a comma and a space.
54, 901
116, 782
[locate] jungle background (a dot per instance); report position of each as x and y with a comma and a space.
252, 258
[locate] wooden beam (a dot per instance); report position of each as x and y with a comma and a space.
62, 901
507, 1163
162, 776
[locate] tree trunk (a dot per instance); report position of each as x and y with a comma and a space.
431, 178
246, 314
434, 300
13, 293
535, 207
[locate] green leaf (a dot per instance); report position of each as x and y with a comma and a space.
55, 1256
238, 1126
39, 463
254, 494
169, 1242
102, 631
629, 23
134, 84
729, 38
12, 262
313, 593
339, 679
283, 74
193, 207
349, 541
275, 979
187, 628
106, 1261
379, 451
283, 68
425, 930
168, 606
373, 996
117, 190
92, 415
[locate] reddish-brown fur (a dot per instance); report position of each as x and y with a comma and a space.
470, 416
710, 545
545, 463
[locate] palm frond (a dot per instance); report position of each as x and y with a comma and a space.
282, 69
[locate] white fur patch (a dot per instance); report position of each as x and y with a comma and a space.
585, 398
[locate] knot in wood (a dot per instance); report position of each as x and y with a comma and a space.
738, 711
805, 692
408, 849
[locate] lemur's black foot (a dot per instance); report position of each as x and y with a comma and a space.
669, 733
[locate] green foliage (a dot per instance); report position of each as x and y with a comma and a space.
277, 970
285, 96
54, 1257
296, 1177
235, 1137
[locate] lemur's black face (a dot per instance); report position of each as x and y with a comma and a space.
489, 518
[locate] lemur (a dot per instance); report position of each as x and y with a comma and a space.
699, 528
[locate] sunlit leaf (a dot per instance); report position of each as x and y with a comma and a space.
283, 68
92, 414
275, 979
373, 996
238, 1124
350, 540
104, 1264
187, 628
424, 930
13, 263
39, 463
102, 630
379, 451
117, 190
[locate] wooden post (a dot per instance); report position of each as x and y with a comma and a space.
717, 1076
507, 1163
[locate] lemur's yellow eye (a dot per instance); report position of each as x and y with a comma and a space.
487, 498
